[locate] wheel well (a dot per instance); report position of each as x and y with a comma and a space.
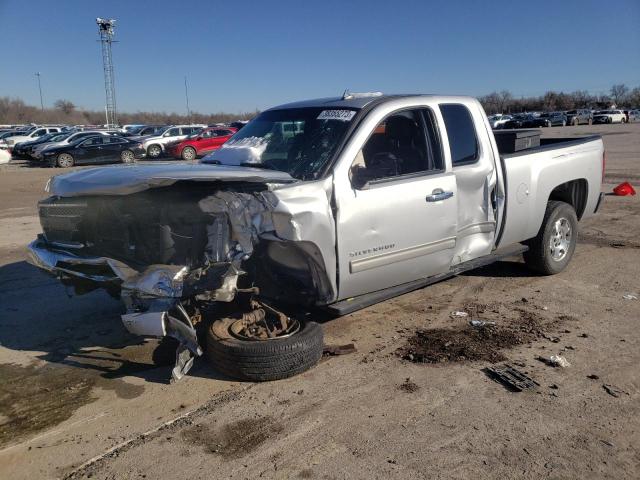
574, 193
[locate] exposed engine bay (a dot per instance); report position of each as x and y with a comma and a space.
168, 252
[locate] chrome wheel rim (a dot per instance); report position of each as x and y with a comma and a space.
154, 151
65, 160
188, 154
127, 156
560, 239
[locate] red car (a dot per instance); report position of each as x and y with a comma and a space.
206, 141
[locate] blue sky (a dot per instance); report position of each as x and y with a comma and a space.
243, 55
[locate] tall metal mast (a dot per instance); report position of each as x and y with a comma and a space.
105, 28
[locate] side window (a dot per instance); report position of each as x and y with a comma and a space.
92, 141
115, 140
404, 143
172, 132
39, 133
461, 132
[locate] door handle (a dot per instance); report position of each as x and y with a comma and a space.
438, 194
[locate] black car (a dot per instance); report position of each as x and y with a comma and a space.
97, 149
522, 120
24, 149
552, 119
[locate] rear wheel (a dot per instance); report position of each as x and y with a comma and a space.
127, 156
551, 250
154, 151
188, 153
65, 160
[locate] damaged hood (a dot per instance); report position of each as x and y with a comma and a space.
128, 179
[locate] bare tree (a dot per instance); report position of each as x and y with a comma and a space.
619, 93
65, 106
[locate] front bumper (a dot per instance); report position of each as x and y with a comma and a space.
150, 296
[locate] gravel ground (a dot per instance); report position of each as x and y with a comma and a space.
77, 389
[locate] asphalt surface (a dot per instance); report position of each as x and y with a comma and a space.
82, 398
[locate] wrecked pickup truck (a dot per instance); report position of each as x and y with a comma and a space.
336, 203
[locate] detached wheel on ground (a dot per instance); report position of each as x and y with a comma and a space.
65, 160
154, 151
551, 250
188, 153
236, 355
127, 156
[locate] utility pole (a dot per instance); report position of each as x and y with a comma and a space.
40, 89
105, 29
186, 94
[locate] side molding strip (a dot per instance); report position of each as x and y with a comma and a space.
382, 259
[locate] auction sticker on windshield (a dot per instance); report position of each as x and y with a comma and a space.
342, 115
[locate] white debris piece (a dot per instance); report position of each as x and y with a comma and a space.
630, 296
459, 314
559, 361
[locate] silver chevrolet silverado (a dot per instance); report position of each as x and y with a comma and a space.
334, 203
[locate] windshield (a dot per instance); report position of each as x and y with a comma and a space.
298, 141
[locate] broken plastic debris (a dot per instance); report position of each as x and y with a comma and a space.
555, 361
481, 323
613, 390
459, 314
624, 189
630, 296
510, 377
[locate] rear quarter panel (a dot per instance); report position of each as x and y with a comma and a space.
531, 177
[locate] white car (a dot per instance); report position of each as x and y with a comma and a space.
9, 142
634, 116
5, 157
609, 116
38, 151
157, 144
498, 120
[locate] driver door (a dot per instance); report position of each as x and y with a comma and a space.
397, 211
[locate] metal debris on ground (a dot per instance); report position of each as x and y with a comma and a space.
332, 350
511, 377
613, 390
459, 313
555, 361
630, 296
481, 323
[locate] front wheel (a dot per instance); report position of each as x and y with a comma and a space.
551, 250
237, 354
65, 160
154, 151
188, 153
127, 156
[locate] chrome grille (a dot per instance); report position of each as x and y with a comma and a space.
60, 218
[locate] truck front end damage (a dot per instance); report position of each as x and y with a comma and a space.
169, 249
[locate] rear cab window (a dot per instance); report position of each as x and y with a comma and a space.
463, 141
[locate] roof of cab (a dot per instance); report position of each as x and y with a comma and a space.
356, 101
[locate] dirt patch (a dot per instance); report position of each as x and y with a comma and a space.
234, 440
466, 342
408, 386
35, 398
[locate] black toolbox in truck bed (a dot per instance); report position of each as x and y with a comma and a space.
511, 141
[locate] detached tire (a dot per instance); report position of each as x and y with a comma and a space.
551, 250
263, 360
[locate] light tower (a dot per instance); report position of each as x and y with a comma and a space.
105, 28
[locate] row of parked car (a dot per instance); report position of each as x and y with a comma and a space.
63, 146
560, 119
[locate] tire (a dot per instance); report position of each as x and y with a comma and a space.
127, 156
542, 257
65, 160
266, 360
188, 153
154, 151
